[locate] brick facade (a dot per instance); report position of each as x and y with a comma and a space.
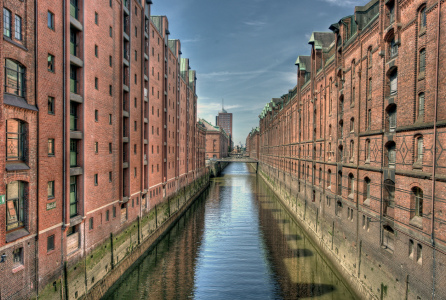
358, 143
216, 140
80, 151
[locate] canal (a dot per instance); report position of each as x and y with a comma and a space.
235, 242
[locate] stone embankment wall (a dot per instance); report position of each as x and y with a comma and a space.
369, 278
216, 167
92, 275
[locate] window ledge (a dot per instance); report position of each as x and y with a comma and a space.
422, 31
417, 165
17, 101
16, 166
417, 221
421, 76
366, 202
18, 269
15, 235
15, 43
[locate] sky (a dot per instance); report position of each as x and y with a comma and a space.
244, 50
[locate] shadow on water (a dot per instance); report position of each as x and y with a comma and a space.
236, 243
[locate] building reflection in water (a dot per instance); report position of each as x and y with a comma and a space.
236, 242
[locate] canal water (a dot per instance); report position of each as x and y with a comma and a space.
235, 242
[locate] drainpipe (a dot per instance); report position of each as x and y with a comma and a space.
64, 139
435, 150
36, 252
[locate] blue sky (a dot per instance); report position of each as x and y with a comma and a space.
244, 50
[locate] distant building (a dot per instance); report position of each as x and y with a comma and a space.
224, 120
217, 140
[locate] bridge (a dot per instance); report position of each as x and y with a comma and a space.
238, 159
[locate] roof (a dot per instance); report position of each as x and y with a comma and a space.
321, 40
304, 63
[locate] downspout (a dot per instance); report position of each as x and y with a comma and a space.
64, 142
435, 150
36, 252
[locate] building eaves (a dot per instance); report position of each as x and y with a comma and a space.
321, 40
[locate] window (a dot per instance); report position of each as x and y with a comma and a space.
329, 178
391, 154
50, 17
134, 172
134, 149
388, 238
389, 195
110, 177
50, 189
353, 69
369, 119
51, 105
14, 78
96, 50
370, 89
369, 56
51, 63
110, 119
50, 146
423, 20
352, 99
73, 196
351, 179
96, 115
90, 223
135, 125
110, 60
18, 28
419, 150
15, 204
367, 150
17, 256
136, 55
411, 248
391, 7
96, 18
96, 83
136, 31
107, 215
6, 22
15, 140
50, 243
110, 31
420, 106
366, 193
393, 83
352, 124
419, 254
422, 62
393, 48
96, 147
417, 202
391, 117
95, 179
352, 148
114, 211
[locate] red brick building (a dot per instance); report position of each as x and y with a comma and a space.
98, 118
224, 120
253, 143
359, 140
217, 141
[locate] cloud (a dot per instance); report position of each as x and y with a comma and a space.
344, 3
191, 40
254, 23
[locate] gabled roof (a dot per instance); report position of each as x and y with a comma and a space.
304, 63
321, 40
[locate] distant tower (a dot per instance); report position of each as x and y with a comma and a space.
224, 120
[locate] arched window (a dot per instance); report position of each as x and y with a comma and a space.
418, 158
341, 129
340, 183
369, 57
352, 99
15, 80
420, 108
388, 237
15, 140
393, 48
341, 104
391, 117
369, 96
391, 154
15, 204
353, 69
369, 119
329, 130
423, 19
351, 180
393, 82
422, 58
341, 153
417, 202
352, 149
329, 151
329, 178
352, 124
320, 176
367, 150
366, 192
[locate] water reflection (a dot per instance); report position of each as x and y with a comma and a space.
235, 243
